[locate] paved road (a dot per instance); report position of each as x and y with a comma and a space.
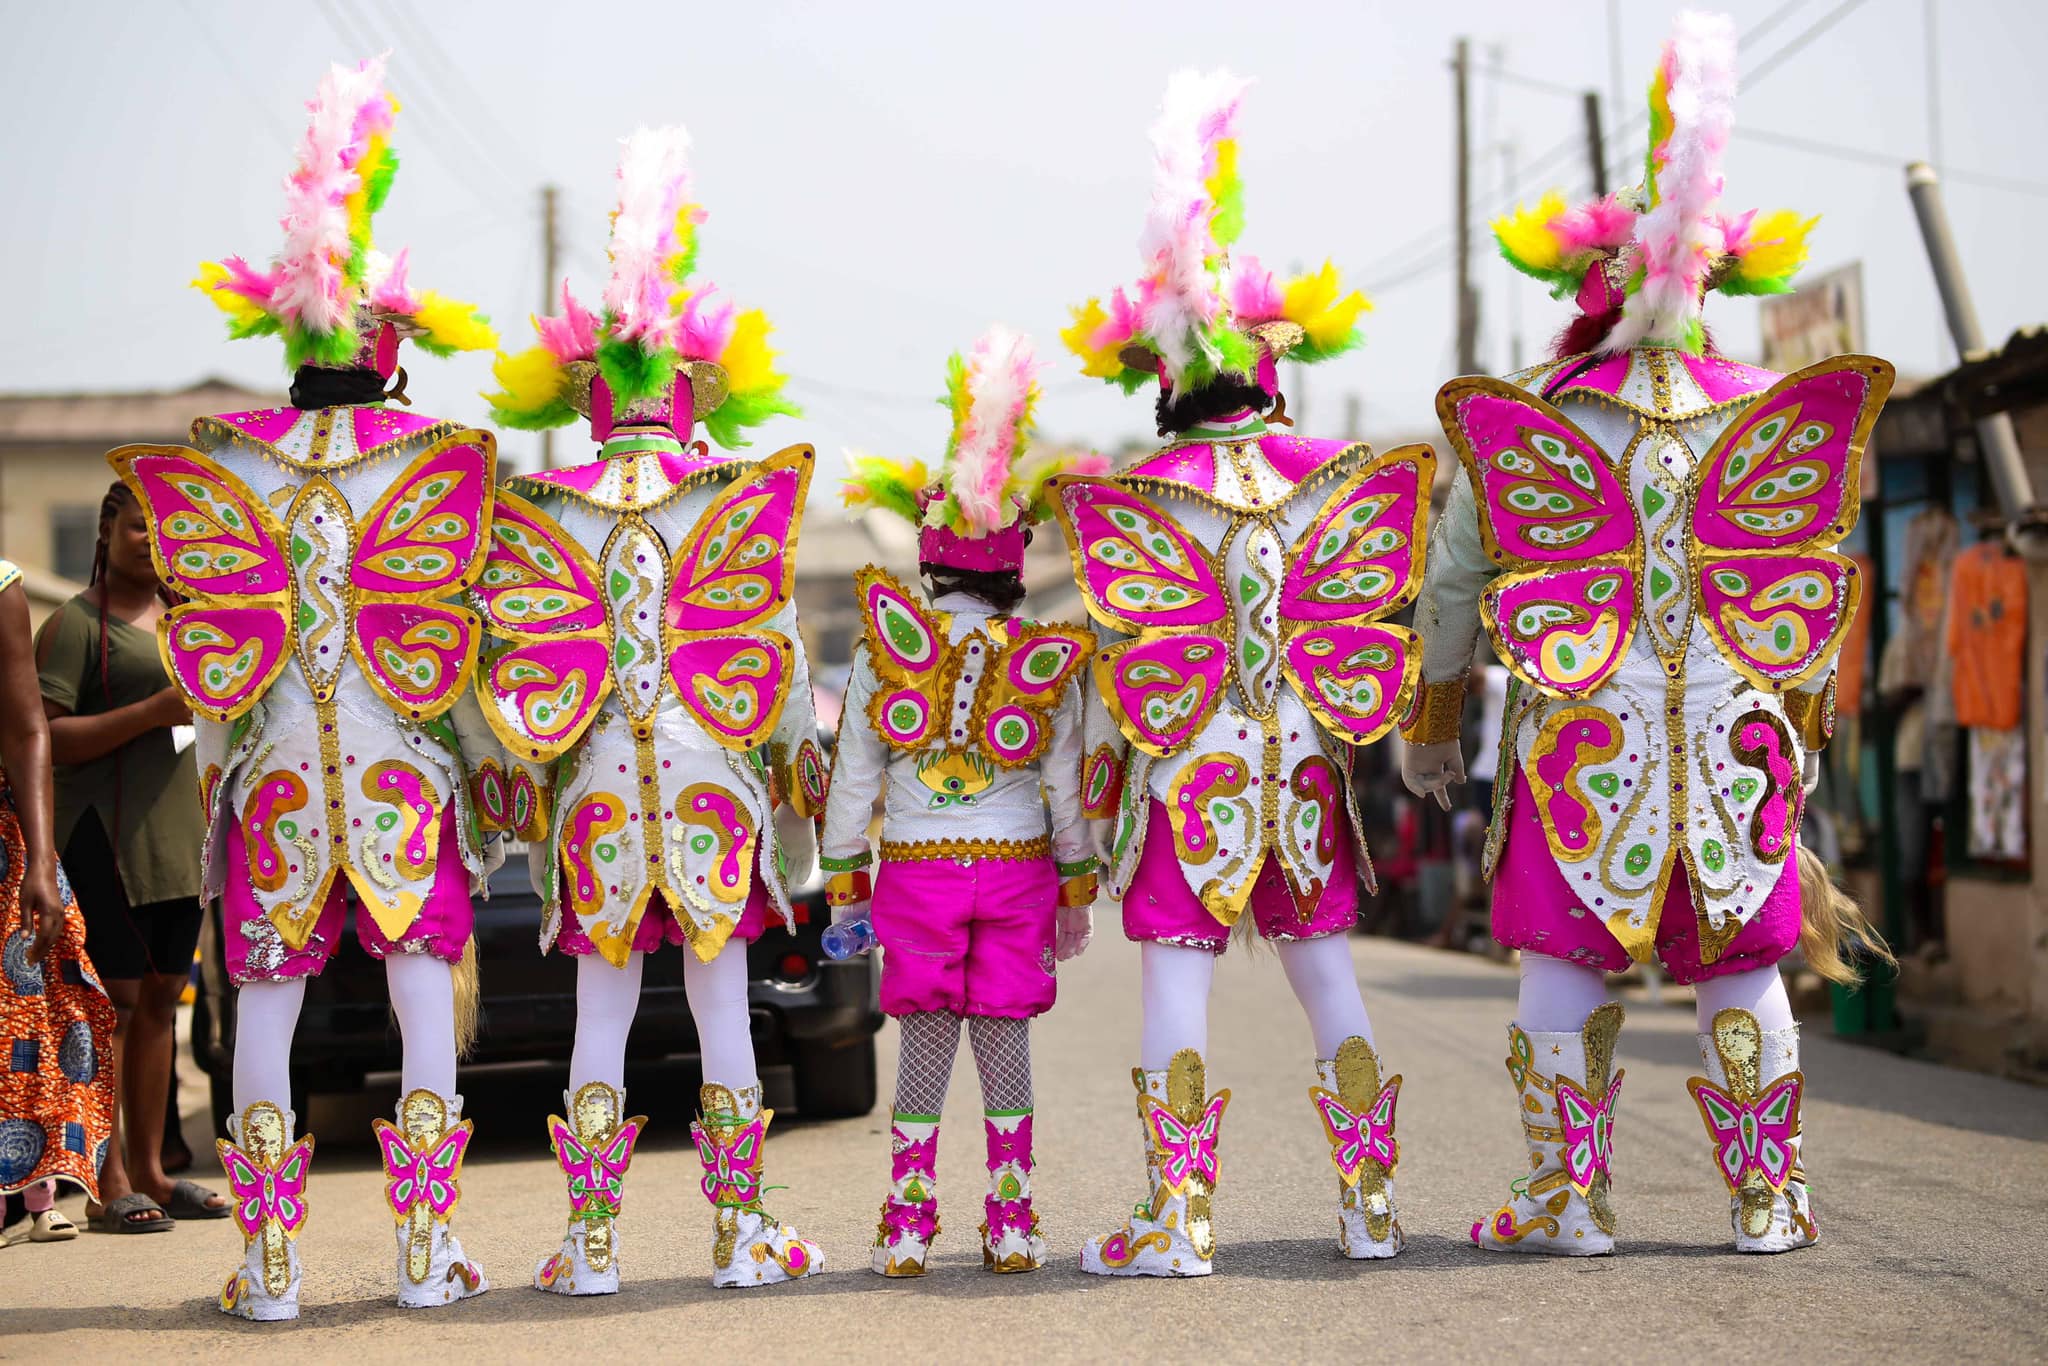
1932, 1188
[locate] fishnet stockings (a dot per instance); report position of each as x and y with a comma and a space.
1002, 1055
924, 1065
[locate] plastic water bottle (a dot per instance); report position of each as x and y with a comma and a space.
848, 938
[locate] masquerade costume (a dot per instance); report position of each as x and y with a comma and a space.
1244, 574
653, 698
324, 548
1645, 531
960, 715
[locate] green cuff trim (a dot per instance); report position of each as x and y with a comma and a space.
1080, 867
846, 865
1024, 1113
898, 1117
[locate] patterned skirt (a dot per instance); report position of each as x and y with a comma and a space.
56, 1027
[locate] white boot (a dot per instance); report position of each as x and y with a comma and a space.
423, 1169
1010, 1240
593, 1147
1749, 1100
1567, 1102
1358, 1118
267, 1173
1170, 1233
748, 1245
910, 1211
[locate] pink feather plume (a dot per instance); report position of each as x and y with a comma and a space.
706, 324
349, 106
1001, 373
1602, 225
1679, 236
1200, 110
654, 182
1252, 293
573, 335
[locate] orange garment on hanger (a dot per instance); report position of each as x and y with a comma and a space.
1987, 635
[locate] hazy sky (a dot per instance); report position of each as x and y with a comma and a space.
888, 179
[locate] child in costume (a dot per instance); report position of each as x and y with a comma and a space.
1234, 560
1644, 528
966, 720
324, 548
654, 701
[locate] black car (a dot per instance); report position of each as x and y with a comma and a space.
814, 1020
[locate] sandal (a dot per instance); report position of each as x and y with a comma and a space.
52, 1227
189, 1201
128, 1214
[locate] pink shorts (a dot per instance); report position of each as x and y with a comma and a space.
442, 927
1535, 910
659, 925
971, 938
1160, 907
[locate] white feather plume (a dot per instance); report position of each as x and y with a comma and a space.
654, 182
1200, 107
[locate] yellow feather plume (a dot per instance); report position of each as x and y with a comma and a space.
1313, 301
1525, 235
749, 363
210, 281
1097, 362
453, 323
1780, 246
528, 380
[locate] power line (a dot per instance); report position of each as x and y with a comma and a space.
1890, 160
1805, 36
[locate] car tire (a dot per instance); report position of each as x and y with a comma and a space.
834, 1081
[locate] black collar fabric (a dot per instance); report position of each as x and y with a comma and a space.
317, 387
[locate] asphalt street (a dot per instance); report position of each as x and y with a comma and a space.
1931, 1186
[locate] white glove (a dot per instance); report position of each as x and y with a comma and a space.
1429, 770
1076, 928
1811, 778
797, 837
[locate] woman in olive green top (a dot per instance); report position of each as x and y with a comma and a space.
130, 828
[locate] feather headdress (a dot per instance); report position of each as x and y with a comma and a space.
1197, 313
328, 280
1665, 244
654, 322
985, 486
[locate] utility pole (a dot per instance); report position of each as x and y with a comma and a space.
1995, 438
1596, 145
1354, 417
550, 248
1467, 314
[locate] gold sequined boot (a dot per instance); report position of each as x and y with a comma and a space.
593, 1147
748, 1245
1749, 1101
1567, 1102
1169, 1234
423, 1183
1358, 1118
267, 1173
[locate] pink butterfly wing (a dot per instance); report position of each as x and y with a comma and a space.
1362, 554
618, 1154
1779, 486
1546, 494
401, 1167
535, 579
1162, 689
425, 536
1552, 509
1358, 680
289, 1182
245, 1182
1777, 1121
541, 697
417, 655
224, 658
443, 1165
734, 685
1137, 569
735, 566
210, 535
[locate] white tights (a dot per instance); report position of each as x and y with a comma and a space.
607, 999
1557, 996
422, 991
1175, 989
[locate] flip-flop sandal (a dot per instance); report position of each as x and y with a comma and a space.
188, 1201
120, 1216
52, 1227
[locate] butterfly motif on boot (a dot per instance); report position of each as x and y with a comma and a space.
1187, 1152
1356, 1139
430, 1174
1588, 1130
